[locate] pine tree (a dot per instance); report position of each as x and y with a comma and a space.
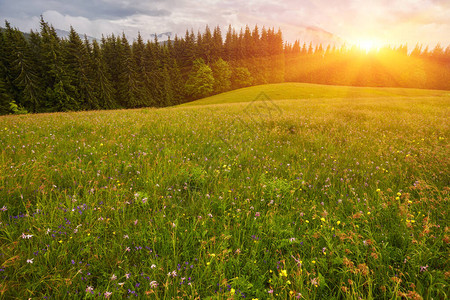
5, 98
128, 88
59, 90
78, 69
103, 90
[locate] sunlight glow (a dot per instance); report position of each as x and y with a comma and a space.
367, 45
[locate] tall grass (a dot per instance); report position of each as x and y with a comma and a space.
305, 199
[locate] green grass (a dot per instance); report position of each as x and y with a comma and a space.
304, 91
323, 198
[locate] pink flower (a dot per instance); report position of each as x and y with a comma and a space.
107, 294
89, 289
257, 214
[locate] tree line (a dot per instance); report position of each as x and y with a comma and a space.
41, 72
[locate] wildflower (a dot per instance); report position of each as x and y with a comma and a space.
89, 289
283, 273
107, 294
270, 291
153, 266
136, 221
113, 277
3, 208
125, 236
257, 214
26, 236
153, 284
121, 283
127, 275
232, 291
30, 261
423, 268
128, 249
292, 239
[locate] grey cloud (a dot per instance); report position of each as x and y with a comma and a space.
91, 9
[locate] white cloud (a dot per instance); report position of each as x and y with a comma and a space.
411, 21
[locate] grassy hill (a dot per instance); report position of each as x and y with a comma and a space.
283, 91
325, 193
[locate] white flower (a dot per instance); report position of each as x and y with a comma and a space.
26, 236
153, 284
30, 261
113, 277
153, 266
89, 289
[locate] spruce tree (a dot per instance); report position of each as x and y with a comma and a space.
103, 90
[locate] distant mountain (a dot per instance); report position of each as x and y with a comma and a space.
162, 36
317, 36
64, 34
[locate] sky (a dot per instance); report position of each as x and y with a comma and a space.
367, 22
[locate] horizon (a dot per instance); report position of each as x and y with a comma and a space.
373, 25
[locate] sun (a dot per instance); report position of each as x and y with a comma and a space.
366, 45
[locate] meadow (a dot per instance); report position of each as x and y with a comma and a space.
300, 192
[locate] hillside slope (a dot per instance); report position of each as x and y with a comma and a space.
283, 91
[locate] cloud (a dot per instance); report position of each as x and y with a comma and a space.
423, 21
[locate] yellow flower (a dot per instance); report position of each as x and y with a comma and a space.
338, 222
232, 291
288, 282
322, 219
368, 212
283, 273
313, 261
